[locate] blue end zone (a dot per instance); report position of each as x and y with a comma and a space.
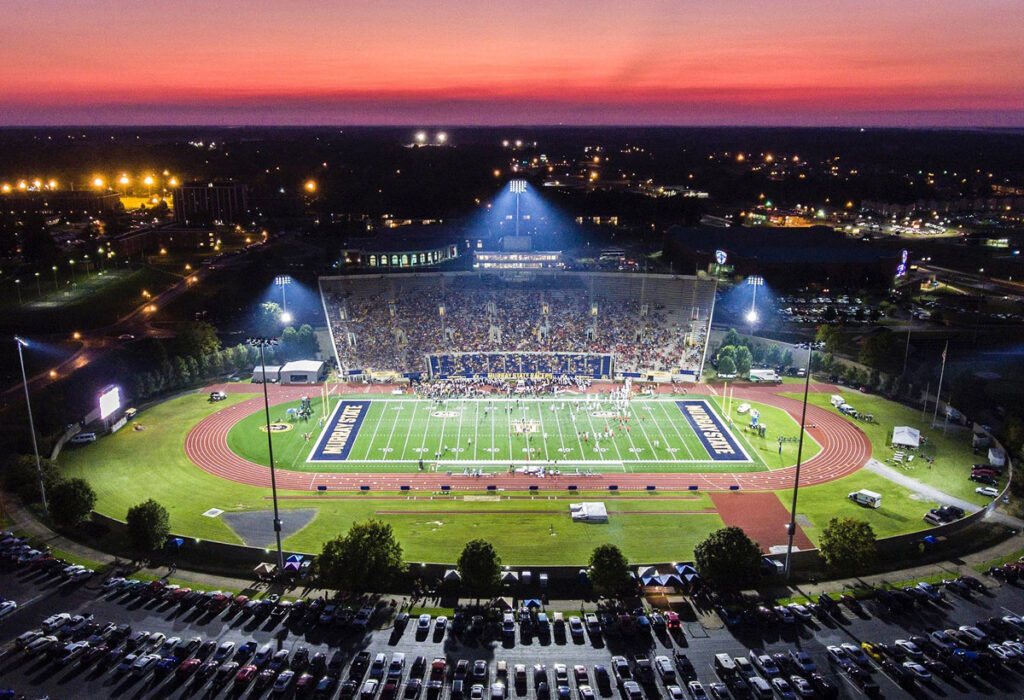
716, 438
336, 440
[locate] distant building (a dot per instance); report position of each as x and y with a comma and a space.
403, 248
784, 255
69, 202
209, 203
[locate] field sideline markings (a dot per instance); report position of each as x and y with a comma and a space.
408, 427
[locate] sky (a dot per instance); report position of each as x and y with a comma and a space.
460, 62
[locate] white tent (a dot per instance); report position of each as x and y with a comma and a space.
452, 575
644, 571
906, 436
589, 512
302, 372
509, 577
996, 456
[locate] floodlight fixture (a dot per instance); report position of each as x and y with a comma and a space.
286, 317
751, 316
755, 281
517, 186
283, 281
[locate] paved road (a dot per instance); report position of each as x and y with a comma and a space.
40, 597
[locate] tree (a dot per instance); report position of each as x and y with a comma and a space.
774, 355
196, 339
731, 337
268, 321
609, 570
879, 352
726, 366
848, 545
22, 479
71, 502
366, 558
743, 361
728, 560
148, 526
727, 351
480, 568
787, 358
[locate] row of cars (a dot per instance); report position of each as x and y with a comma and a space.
948, 654
316, 612
20, 552
67, 640
1011, 572
893, 600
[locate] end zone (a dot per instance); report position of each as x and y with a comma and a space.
339, 434
720, 444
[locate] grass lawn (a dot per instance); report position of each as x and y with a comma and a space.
952, 452
130, 466
899, 513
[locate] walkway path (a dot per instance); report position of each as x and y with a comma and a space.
934, 494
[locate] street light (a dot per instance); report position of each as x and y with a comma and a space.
39, 287
262, 344
31, 425
17, 285
799, 457
54, 268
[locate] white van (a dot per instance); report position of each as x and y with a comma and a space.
83, 438
870, 499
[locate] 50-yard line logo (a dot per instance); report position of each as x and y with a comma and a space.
338, 436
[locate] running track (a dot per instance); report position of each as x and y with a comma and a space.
845, 449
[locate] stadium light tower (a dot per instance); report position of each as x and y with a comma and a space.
283, 281
31, 425
262, 344
517, 187
799, 456
755, 281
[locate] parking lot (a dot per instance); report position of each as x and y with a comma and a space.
490, 658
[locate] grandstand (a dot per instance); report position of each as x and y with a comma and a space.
470, 324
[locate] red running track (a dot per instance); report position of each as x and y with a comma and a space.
844, 450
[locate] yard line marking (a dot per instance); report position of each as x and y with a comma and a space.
686, 447
373, 438
476, 431
409, 425
543, 432
392, 433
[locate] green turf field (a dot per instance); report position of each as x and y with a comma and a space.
399, 431
133, 465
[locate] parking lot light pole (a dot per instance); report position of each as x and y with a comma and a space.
799, 457
262, 343
31, 425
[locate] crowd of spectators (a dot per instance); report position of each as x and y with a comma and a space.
380, 326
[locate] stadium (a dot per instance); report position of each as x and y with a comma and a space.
492, 402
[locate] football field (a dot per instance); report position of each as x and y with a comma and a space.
681, 433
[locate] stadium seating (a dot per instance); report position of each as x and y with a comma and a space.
468, 323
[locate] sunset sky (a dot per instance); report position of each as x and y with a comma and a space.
449, 62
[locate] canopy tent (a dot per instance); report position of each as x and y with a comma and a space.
295, 557
503, 604
649, 581
509, 577
685, 569
291, 566
263, 569
583, 575
589, 512
906, 436
451, 575
174, 542
646, 571
670, 580
532, 603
